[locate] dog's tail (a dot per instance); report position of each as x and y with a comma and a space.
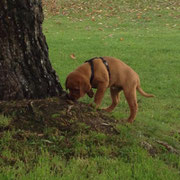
140, 90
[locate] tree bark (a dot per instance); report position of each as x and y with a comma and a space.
25, 69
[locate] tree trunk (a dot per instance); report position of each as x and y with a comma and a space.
25, 69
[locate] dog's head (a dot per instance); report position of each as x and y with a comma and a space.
77, 85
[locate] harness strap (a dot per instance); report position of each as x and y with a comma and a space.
90, 61
106, 64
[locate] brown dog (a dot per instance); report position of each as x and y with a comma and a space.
102, 73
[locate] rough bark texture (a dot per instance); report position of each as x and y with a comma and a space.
25, 69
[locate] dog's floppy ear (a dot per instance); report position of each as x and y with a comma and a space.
66, 83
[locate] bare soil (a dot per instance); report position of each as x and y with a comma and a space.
58, 112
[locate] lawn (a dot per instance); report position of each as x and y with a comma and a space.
146, 36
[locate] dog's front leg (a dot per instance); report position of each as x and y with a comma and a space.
100, 94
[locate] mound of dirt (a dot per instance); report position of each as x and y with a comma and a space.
35, 115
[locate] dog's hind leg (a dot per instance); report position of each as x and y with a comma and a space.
115, 95
130, 95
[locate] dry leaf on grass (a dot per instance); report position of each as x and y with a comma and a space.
73, 56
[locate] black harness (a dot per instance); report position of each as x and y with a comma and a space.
90, 61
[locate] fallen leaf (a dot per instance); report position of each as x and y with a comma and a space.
47, 141
121, 39
73, 56
93, 18
40, 135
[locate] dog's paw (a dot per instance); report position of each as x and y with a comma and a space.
130, 121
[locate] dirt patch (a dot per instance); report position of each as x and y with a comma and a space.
35, 115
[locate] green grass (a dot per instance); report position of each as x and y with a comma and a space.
96, 156
146, 36
95, 168
4, 121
